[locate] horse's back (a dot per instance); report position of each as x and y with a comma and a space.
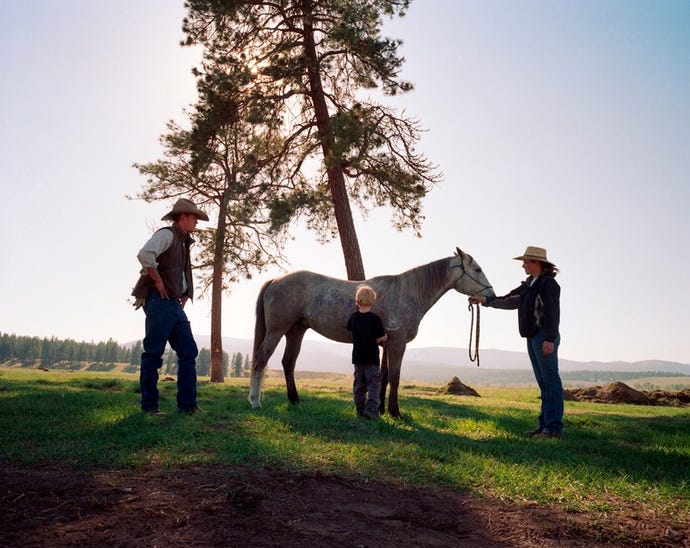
314, 300
304, 287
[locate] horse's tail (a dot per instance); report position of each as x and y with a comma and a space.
260, 326
257, 376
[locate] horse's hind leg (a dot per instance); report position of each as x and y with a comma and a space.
293, 345
261, 357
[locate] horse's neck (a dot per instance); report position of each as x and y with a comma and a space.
426, 284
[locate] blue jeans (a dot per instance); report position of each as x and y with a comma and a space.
366, 387
546, 372
167, 322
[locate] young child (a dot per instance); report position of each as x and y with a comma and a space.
367, 333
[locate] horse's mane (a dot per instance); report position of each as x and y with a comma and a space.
427, 277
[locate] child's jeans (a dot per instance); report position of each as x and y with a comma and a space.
366, 389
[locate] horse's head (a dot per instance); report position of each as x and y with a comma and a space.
471, 279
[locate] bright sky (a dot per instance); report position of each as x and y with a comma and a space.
559, 124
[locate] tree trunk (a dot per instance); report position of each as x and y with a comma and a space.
336, 178
346, 226
217, 295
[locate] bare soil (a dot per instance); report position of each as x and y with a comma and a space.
619, 392
224, 506
458, 388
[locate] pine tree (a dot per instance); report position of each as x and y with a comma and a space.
248, 366
203, 362
135, 355
170, 360
237, 364
217, 162
312, 61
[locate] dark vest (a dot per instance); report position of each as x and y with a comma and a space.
173, 263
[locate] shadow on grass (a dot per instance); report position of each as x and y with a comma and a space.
97, 423
436, 431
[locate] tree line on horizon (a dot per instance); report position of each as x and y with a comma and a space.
49, 352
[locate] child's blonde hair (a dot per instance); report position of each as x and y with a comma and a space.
365, 296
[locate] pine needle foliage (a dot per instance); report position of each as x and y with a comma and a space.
313, 63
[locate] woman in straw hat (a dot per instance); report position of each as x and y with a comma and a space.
164, 286
537, 301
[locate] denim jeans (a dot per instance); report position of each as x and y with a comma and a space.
366, 387
546, 372
167, 322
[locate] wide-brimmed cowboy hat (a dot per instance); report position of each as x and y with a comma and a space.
534, 254
185, 206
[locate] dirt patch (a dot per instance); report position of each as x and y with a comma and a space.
223, 506
618, 392
456, 388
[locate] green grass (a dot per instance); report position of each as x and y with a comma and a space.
609, 455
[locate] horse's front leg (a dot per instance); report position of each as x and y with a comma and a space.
395, 355
384, 381
293, 345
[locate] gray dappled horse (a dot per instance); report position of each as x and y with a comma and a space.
291, 304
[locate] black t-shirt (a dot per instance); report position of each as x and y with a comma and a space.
366, 327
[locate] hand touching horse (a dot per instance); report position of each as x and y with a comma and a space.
291, 304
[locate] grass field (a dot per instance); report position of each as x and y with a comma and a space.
610, 456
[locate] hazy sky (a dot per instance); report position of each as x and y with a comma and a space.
562, 124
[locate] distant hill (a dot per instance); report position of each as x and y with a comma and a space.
438, 364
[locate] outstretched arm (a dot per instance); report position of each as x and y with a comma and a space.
506, 302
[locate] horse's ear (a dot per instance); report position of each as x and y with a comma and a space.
460, 253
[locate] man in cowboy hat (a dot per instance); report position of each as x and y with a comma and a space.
164, 286
537, 301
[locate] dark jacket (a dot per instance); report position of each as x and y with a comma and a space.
538, 305
173, 264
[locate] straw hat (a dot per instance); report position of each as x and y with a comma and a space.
185, 206
534, 254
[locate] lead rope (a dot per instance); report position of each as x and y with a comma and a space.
474, 357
